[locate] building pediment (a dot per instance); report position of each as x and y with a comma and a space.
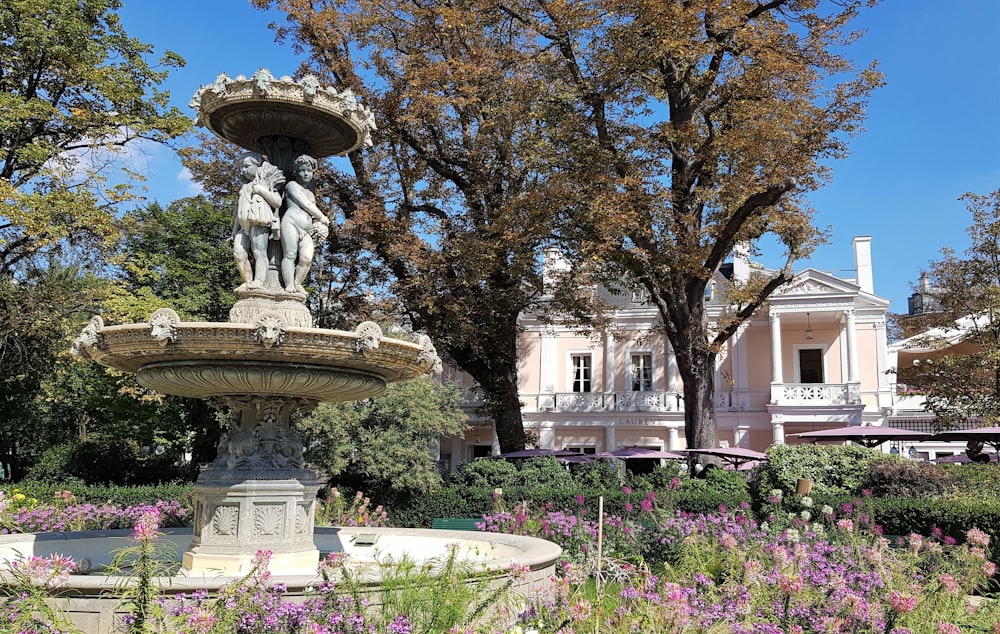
813, 282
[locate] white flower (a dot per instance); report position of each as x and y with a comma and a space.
805, 515
807, 501
827, 510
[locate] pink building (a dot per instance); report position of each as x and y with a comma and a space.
815, 358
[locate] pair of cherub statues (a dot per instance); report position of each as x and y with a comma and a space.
270, 207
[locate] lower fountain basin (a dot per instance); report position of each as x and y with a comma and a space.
89, 601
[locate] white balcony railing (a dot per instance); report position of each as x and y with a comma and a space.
615, 402
816, 393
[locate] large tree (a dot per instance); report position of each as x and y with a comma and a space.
75, 93
674, 130
959, 374
449, 197
697, 127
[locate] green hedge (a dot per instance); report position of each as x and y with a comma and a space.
98, 494
953, 515
834, 469
461, 501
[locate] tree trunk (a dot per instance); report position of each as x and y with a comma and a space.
698, 373
506, 415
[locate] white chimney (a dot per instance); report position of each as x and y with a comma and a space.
554, 267
741, 263
863, 262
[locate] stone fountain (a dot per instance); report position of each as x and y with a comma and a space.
267, 365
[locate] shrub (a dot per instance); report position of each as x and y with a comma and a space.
102, 461
547, 472
976, 480
834, 470
484, 472
111, 494
895, 476
595, 474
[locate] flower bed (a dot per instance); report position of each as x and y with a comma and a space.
795, 569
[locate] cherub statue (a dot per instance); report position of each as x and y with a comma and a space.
256, 218
301, 221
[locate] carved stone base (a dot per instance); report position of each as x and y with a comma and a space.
291, 307
235, 520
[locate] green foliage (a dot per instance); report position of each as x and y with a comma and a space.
180, 257
116, 494
953, 516
484, 473
103, 461
834, 469
597, 474
895, 476
74, 91
418, 511
974, 480
532, 472
37, 314
726, 485
962, 382
384, 444
543, 472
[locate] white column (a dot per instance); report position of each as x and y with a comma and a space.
777, 429
741, 436
740, 368
882, 350
673, 439
776, 371
852, 347
609, 438
546, 435
609, 362
673, 385
495, 449
547, 367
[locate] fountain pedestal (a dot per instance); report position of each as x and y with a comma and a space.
233, 520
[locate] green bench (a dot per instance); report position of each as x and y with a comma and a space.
456, 523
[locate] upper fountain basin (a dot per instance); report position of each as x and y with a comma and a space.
209, 359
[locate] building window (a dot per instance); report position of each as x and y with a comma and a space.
582, 449
581, 372
642, 372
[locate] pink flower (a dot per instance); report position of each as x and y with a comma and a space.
989, 569
916, 542
949, 584
944, 627
976, 537
147, 527
790, 583
581, 611
846, 525
902, 603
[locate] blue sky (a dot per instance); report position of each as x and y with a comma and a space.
932, 131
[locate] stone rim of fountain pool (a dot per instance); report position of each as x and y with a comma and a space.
85, 598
